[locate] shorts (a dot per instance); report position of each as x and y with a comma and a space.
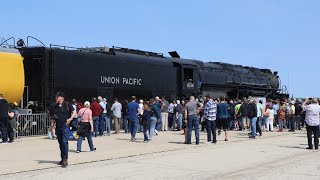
222, 123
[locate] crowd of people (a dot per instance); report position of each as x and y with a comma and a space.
8, 120
151, 117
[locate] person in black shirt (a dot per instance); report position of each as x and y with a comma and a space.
298, 114
62, 113
4, 109
125, 117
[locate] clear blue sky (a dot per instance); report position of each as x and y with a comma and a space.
283, 35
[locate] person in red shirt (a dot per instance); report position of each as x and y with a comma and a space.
97, 110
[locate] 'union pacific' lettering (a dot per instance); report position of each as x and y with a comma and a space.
125, 81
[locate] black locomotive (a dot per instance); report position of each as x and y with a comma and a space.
120, 72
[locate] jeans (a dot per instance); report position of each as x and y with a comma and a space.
193, 122
96, 125
170, 120
152, 123
259, 125
63, 137
133, 127
292, 122
80, 139
253, 126
211, 129
4, 129
297, 121
315, 131
230, 123
179, 122
103, 119
126, 124
281, 123
276, 119
145, 134
159, 124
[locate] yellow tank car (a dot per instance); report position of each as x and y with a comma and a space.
11, 74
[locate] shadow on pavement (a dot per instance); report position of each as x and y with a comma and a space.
293, 147
47, 162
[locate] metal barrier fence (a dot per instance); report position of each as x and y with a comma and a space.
33, 124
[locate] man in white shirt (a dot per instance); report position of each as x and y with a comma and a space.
312, 120
116, 115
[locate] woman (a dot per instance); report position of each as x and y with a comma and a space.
146, 121
85, 128
270, 118
282, 116
13, 114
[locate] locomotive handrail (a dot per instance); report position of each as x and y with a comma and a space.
6, 41
34, 39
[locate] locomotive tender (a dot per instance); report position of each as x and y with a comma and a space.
83, 73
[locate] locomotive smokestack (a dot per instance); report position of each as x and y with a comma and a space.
174, 54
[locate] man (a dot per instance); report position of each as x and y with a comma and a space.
4, 119
96, 113
298, 115
164, 114
312, 121
210, 112
108, 116
292, 116
178, 113
259, 116
238, 115
276, 106
223, 114
140, 127
243, 111
171, 117
133, 109
192, 109
125, 116
160, 105
62, 113
116, 109
252, 115
102, 118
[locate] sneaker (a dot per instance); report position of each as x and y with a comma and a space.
11, 141
78, 151
145, 141
214, 142
133, 139
252, 137
4, 143
155, 131
280, 130
93, 150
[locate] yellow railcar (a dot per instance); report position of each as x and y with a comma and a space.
11, 74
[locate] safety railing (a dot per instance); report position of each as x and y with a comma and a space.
33, 125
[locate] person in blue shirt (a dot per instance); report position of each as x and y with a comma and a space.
223, 115
133, 110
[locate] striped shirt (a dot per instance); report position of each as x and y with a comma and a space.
210, 111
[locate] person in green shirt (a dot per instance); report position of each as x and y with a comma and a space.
238, 118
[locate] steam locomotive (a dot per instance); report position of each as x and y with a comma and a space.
83, 73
